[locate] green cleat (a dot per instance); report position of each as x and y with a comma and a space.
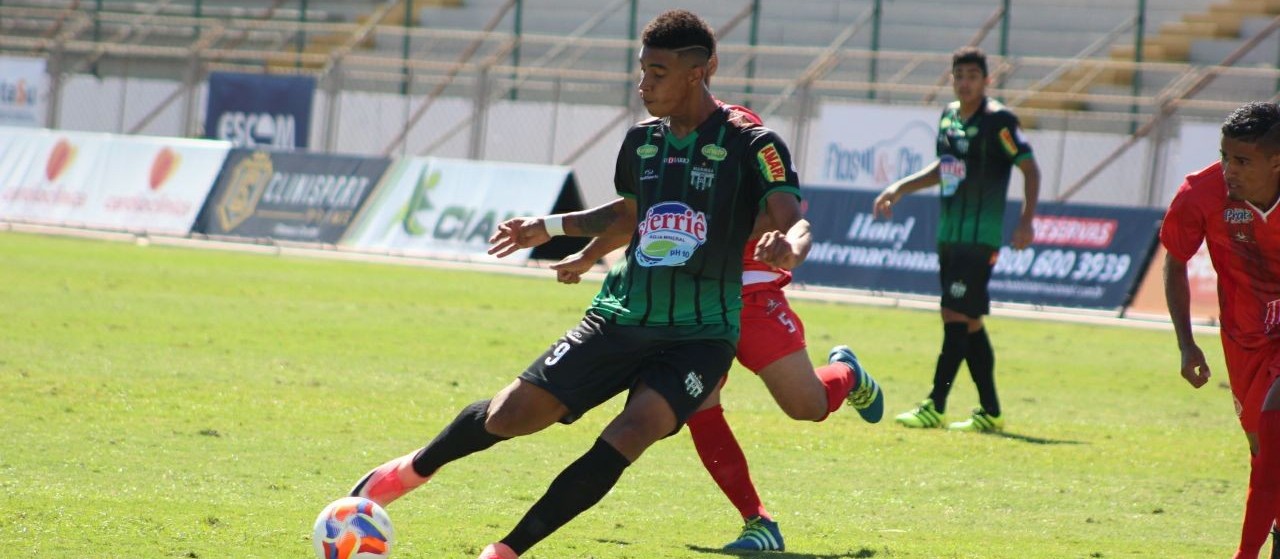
923, 416
979, 422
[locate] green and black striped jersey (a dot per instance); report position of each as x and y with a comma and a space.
976, 158
696, 199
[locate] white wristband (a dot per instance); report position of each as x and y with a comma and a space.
554, 225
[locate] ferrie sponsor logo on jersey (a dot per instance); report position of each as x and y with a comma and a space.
953, 172
867, 229
1079, 232
669, 234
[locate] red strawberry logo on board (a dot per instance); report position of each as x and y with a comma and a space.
163, 166
60, 158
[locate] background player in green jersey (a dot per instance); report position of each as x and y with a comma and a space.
665, 323
979, 142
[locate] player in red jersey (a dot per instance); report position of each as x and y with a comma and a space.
772, 345
1231, 205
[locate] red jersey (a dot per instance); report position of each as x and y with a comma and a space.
1244, 245
749, 262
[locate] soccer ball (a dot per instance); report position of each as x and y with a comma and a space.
353, 528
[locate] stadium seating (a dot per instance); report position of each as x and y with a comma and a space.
1043, 69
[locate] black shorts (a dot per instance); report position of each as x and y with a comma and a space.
597, 360
965, 271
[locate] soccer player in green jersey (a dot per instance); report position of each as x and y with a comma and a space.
979, 142
666, 321
772, 346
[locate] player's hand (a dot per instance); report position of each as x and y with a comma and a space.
1194, 367
883, 206
775, 250
1023, 235
567, 277
517, 233
571, 268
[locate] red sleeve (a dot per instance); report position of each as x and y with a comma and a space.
1183, 229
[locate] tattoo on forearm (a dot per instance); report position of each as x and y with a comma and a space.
597, 221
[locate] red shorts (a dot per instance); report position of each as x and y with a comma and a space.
1252, 372
770, 329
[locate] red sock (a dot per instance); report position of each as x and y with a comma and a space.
839, 380
1263, 503
723, 458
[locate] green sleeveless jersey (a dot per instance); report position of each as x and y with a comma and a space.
976, 157
696, 202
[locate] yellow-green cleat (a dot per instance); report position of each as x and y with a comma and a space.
979, 422
759, 534
866, 396
923, 416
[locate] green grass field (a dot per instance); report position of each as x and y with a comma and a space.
166, 402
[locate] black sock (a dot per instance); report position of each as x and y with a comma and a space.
465, 435
1275, 541
982, 367
576, 489
955, 345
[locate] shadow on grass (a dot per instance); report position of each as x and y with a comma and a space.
1032, 440
863, 553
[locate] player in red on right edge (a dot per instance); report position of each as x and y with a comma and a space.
1230, 204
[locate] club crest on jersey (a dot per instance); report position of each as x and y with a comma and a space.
1237, 215
702, 178
771, 164
669, 234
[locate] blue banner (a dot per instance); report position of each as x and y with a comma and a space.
1083, 256
290, 196
256, 110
